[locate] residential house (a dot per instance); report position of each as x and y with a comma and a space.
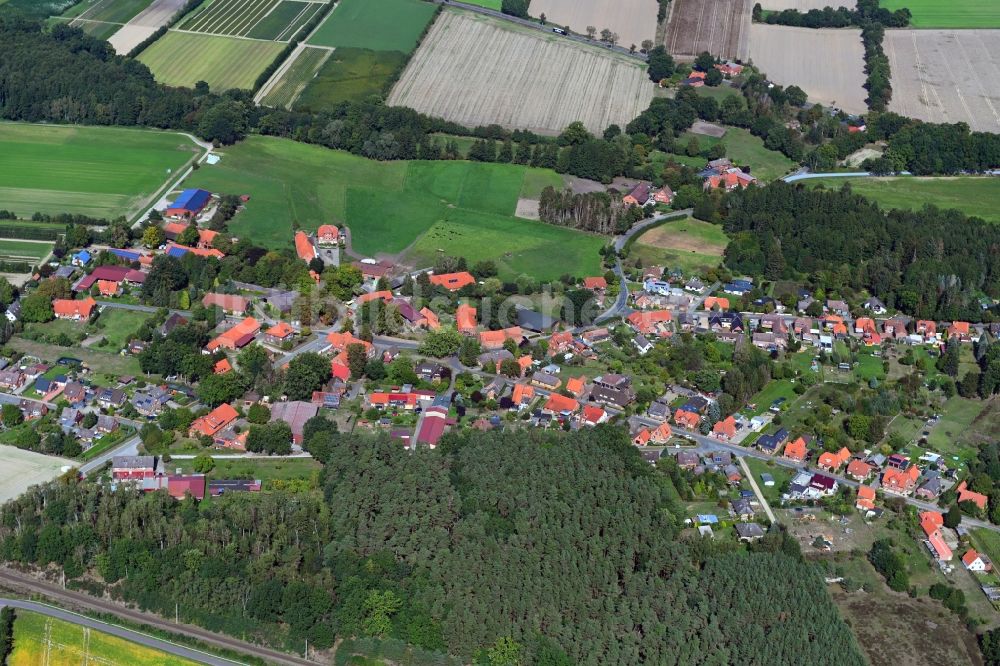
866, 498
651, 323
453, 281
575, 386
716, 303
687, 459
429, 371
279, 333
730, 180
664, 195
593, 416
741, 509
660, 411
150, 401
560, 404
977, 562
725, 429
966, 495
931, 522
106, 424
875, 306
596, 335
128, 468
613, 389
637, 196
231, 304
74, 393
695, 285
894, 329
930, 489
859, 470
831, 462
110, 398
686, 419
214, 422
546, 381
32, 409
82, 310
236, 337
522, 395
773, 442
12, 378
495, 389
172, 321
823, 485
560, 343
900, 481
109, 288
495, 339
839, 308
327, 234
70, 418
465, 319
748, 532
398, 400
960, 330
729, 69
927, 329
595, 283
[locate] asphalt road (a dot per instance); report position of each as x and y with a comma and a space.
130, 447
18, 581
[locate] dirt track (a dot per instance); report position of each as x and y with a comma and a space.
144, 24
475, 70
633, 20
720, 27
827, 63
946, 76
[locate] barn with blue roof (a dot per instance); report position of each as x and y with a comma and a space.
188, 204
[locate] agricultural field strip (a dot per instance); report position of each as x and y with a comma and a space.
296, 76
438, 80
237, 18
726, 23
633, 20
301, 18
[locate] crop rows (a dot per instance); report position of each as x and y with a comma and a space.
231, 17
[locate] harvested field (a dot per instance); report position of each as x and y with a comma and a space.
718, 26
946, 76
633, 20
184, 58
144, 24
827, 63
20, 469
476, 70
805, 5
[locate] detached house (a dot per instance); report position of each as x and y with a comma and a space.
614, 390
214, 422
833, 461
65, 308
900, 481
637, 196
725, 429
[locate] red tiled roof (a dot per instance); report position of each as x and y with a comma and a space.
237, 336
522, 394
593, 415
593, 283
495, 339
453, 281
560, 403
465, 318
215, 420
866, 497
966, 495
66, 307
686, 419
280, 330
222, 367
575, 386
432, 320
304, 247
796, 450
726, 427
107, 287
384, 295
712, 301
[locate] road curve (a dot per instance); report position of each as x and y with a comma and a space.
19, 581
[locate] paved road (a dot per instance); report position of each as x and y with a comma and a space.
121, 632
130, 447
543, 28
805, 175
19, 581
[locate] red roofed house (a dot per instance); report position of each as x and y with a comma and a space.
560, 342
327, 234
595, 283
214, 422
725, 429
966, 495
866, 498
493, 340
833, 461
859, 470
729, 69
222, 367
594, 415
109, 288
973, 561
940, 548
304, 247
174, 229
279, 333
652, 322
712, 301
931, 521
66, 308
430, 320
522, 394
638, 196
959, 330
206, 237
900, 481
685, 419
228, 303
664, 195
386, 296
575, 386
928, 329
560, 404
465, 319
432, 426
238, 336
179, 486
453, 281
796, 450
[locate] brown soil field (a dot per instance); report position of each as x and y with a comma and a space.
805, 5
633, 20
144, 24
946, 76
827, 63
718, 26
475, 70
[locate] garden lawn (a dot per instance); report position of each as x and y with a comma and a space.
781, 388
745, 149
389, 205
386, 25
96, 171
950, 14
98, 361
348, 75
184, 58
116, 326
957, 415
43, 640
971, 195
781, 474
869, 366
265, 470
691, 245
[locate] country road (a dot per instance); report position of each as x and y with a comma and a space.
21, 582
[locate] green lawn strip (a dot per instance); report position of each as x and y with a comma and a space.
263, 469
184, 58
489, 4
720, 93
349, 75
19, 248
952, 14
660, 158
782, 388
969, 194
387, 25
95, 171
97, 361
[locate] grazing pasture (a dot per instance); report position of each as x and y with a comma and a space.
469, 206
296, 78
184, 58
96, 171
972, 196
535, 81
950, 14
827, 63
349, 75
632, 20
718, 26
946, 76
386, 25
40, 641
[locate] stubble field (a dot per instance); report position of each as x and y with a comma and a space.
20, 469
720, 27
474, 70
633, 20
805, 5
946, 76
827, 63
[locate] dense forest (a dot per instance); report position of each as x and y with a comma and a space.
931, 264
561, 549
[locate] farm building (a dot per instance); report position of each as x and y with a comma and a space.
188, 204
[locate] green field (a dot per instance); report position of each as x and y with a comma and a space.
949, 13
36, 9
970, 195
489, 4
116, 326
265, 470
389, 205
96, 171
21, 249
43, 640
744, 148
387, 25
285, 21
296, 78
688, 244
184, 58
349, 75
102, 18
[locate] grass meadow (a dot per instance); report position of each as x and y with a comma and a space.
387, 25
22, 249
96, 171
348, 75
296, 78
41, 640
745, 149
688, 244
390, 205
183, 59
970, 195
951, 14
